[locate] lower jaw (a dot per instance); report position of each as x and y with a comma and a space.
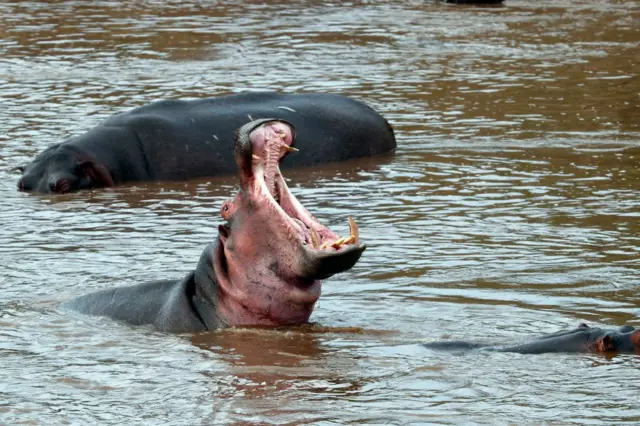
306, 294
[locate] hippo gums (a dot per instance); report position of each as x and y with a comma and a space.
265, 266
625, 339
188, 139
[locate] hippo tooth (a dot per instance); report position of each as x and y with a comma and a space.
339, 242
351, 239
255, 157
335, 243
344, 241
325, 244
290, 148
353, 229
315, 238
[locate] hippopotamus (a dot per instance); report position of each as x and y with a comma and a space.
625, 339
263, 269
187, 139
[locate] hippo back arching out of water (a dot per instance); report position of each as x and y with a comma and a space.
263, 269
625, 339
187, 139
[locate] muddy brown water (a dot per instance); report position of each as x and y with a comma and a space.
511, 208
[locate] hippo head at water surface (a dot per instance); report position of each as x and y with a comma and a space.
265, 266
63, 168
272, 252
606, 341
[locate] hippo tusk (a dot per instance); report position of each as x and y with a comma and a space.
353, 229
351, 239
339, 242
342, 241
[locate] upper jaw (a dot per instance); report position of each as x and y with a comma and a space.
248, 154
324, 253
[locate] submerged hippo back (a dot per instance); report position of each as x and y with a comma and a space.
189, 139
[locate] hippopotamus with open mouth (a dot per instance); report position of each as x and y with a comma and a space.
265, 266
625, 339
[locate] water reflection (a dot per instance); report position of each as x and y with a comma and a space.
266, 361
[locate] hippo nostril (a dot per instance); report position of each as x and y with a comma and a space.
61, 186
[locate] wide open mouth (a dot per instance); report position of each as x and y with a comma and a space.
325, 252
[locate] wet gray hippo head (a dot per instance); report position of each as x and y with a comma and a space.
63, 168
272, 252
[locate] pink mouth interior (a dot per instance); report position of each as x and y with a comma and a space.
301, 220
269, 187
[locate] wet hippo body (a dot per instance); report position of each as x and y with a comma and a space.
185, 305
186, 139
265, 266
625, 339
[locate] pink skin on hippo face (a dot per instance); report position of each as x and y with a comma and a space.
272, 253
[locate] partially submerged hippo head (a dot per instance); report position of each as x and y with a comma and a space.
272, 252
63, 168
625, 339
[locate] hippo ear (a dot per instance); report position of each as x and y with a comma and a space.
635, 339
98, 173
